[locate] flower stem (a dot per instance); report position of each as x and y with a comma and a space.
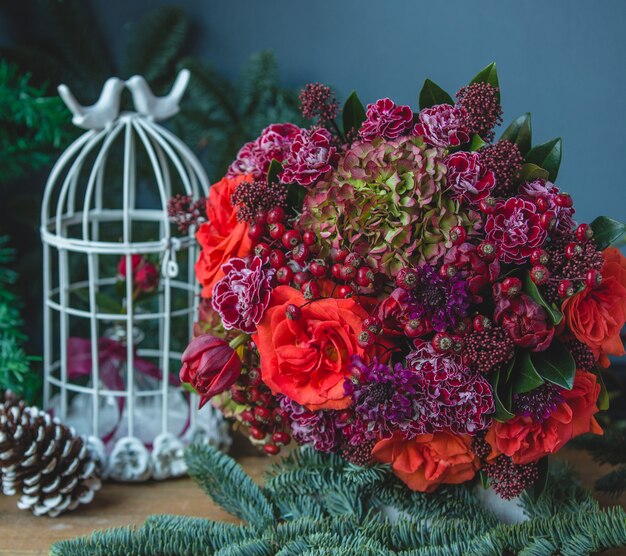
239, 341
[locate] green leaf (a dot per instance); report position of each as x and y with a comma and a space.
273, 171
108, 304
477, 143
548, 156
295, 196
353, 113
533, 291
531, 172
540, 484
607, 231
488, 75
603, 398
556, 365
520, 133
525, 375
484, 478
502, 396
432, 94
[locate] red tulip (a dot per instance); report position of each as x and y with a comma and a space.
210, 365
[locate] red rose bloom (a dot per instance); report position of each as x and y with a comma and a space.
243, 294
524, 320
596, 316
442, 125
467, 177
308, 359
222, 236
526, 440
210, 365
310, 157
515, 229
147, 277
428, 460
385, 119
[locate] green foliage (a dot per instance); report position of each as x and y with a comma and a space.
15, 366
547, 156
432, 94
353, 114
533, 291
489, 75
349, 513
607, 232
520, 133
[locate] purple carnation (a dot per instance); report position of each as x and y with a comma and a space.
385, 119
311, 155
242, 296
452, 396
317, 428
443, 125
383, 400
443, 300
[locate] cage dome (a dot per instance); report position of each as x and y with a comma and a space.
120, 298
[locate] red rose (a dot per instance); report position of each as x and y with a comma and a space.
525, 321
135, 261
596, 316
467, 178
515, 229
308, 359
442, 125
385, 119
525, 440
428, 460
210, 365
310, 157
147, 277
222, 237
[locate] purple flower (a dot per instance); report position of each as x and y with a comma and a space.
383, 400
442, 125
452, 396
385, 119
441, 300
310, 157
539, 403
317, 428
242, 296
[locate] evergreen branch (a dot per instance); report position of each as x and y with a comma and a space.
226, 483
613, 483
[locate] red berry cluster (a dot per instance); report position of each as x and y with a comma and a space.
267, 423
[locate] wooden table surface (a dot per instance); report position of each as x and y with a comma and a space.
122, 504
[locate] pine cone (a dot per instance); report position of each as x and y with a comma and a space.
52, 468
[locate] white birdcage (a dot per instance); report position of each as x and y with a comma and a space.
110, 358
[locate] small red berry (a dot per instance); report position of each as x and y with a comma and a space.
487, 205
593, 278
487, 250
547, 220
442, 342
301, 278
347, 273
311, 290
565, 288
463, 326
407, 278
271, 449
539, 274
415, 328
563, 200
276, 215
309, 238
260, 217
481, 323
344, 416
366, 339
293, 312
345, 291
256, 231
262, 413
365, 277
373, 324
281, 437
257, 433
300, 253
277, 258
542, 204
252, 395
247, 416
335, 270
584, 233
572, 249
277, 230
318, 268
284, 275
511, 286
290, 238
339, 255
539, 257
458, 234
238, 396
447, 270
352, 259
254, 376
262, 250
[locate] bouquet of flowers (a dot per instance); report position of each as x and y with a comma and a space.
399, 287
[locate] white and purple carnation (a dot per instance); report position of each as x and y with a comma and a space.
310, 156
386, 119
443, 125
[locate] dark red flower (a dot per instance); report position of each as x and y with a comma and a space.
242, 296
468, 177
477, 271
385, 119
524, 320
442, 125
147, 277
135, 261
311, 155
548, 191
515, 229
210, 366
393, 312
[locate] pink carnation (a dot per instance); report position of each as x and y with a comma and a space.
524, 320
254, 158
442, 125
468, 178
310, 157
242, 296
515, 229
563, 215
385, 119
